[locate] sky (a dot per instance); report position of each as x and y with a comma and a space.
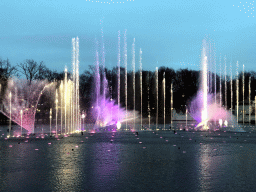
169, 33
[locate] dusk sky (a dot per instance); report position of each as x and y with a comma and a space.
170, 33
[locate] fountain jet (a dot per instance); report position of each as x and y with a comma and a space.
204, 108
21, 99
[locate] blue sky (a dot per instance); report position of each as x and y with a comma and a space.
169, 32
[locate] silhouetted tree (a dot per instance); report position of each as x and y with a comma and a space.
6, 70
86, 87
45, 73
31, 69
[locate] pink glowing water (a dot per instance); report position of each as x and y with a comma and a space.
21, 99
215, 111
107, 112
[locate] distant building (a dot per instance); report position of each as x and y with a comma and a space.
181, 116
249, 111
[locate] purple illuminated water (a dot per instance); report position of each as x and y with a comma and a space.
215, 111
107, 112
104, 109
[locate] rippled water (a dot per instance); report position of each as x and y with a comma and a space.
125, 161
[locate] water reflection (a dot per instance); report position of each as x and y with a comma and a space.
189, 161
207, 166
20, 164
65, 165
227, 164
106, 165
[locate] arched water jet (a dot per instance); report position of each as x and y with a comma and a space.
21, 106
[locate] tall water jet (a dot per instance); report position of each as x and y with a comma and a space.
215, 95
97, 80
199, 105
171, 103
231, 90
21, 112
105, 85
97, 86
164, 97
140, 88
156, 75
103, 60
186, 118
220, 84
50, 121
209, 68
77, 85
215, 79
225, 83
148, 101
249, 100
237, 92
125, 66
56, 102
71, 107
133, 72
105, 111
10, 120
64, 101
70, 90
61, 102
118, 72
65, 98
205, 90
75, 64
243, 94
74, 84
203, 108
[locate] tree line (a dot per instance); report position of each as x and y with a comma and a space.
185, 82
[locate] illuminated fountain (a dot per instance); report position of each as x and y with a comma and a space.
102, 104
102, 113
20, 102
118, 75
125, 66
133, 74
164, 97
140, 88
204, 108
205, 91
66, 106
22, 96
171, 104
67, 98
156, 74
148, 101
75, 107
105, 110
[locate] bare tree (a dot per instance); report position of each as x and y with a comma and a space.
6, 70
31, 69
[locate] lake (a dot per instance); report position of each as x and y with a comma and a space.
129, 161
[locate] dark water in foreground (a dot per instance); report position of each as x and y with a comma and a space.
122, 161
